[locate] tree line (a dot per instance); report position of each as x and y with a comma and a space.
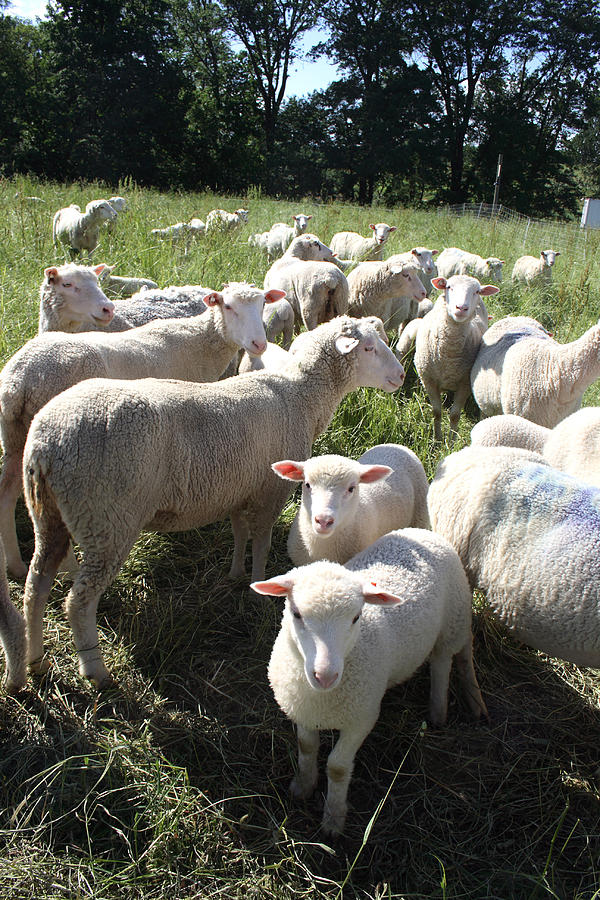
190, 94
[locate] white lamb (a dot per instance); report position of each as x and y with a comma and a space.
420, 258
347, 504
339, 648
122, 285
80, 231
71, 299
220, 220
529, 269
193, 349
179, 233
510, 431
351, 245
106, 459
119, 204
453, 261
528, 536
276, 241
521, 369
447, 344
279, 319
389, 290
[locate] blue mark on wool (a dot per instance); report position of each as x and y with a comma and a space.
557, 499
524, 331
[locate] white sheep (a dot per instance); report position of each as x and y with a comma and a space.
407, 330
220, 220
350, 632
510, 431
529, 269
528, 536
106, 459
80, 231
179, 233
454, 261
12, 634
347, 504
119, 204
447, 343
71, 299
389, 290
123, 285
351, 245
276, 241
420, 258
196, 349
274, 358
279, 319
521, 369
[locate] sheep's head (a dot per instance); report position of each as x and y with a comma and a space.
462, 294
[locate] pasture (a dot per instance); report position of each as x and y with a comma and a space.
175, 783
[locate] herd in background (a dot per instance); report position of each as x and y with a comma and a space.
385, 564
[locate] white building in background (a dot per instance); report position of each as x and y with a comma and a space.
590, 217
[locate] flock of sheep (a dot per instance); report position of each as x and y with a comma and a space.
385, 564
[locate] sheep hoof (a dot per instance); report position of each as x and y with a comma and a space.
301, 791
104, 683
40, 666
333, 824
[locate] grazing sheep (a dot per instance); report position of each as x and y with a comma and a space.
347, 504
220, 220
119, 204
179, 233
510, 431
276, 241
106, 459
121, 285
528, 536
80, 231
279, 319
193, 349
521, 369
447, 343
351, 245
453, 261
197, 227
339, 649
12, 634
71, 298
385, 289
530, 269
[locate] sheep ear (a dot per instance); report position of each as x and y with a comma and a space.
51, 274
274, 587
369, 474
433, 252
392, 228
485, 290
288, 468
396, 270
439, 282
99, 269
273, 295
345, 344
374, 594
213, 299
309, 217
557, 253
372, 227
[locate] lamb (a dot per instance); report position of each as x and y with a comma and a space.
12, 634
510, 431
420, 258
193, 349
347, 504
274, 359
71, 298
119, 204
106, 459
529, 269
220, 220
80, 231
447, 344
305, 248
279, 319
339, 649
521, 369
276, 241
453, 261
351, 245
388, 290
177, 233
407, 331
528, 536
123, 286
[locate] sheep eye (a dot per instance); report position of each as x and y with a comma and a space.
307, 485
405, 275
351, 488
356, 618
369, 349
67, 284
297, 614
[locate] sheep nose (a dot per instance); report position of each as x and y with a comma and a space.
324, 679
108, 310
324, 522
259, 346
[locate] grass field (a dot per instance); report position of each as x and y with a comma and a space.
175, 784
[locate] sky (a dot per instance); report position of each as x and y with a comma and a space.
305, 76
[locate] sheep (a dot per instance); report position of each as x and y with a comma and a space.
306, 248
12, 635
453, 261
447, 343
420, 258
80, 231
351, 245
274, 358
179, 233
385, 289
71, 298
105, 459
279, 319
196, 227
339, 649
521, 369
530, 269
528, 536
510, 431
220, 220
193, 349
281, 235
123, 286
119, 204
407, 331
347, 504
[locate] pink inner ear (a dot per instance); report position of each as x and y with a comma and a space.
439, 283
213, 299
273, 295
273, 587
380, 598
486, 290
374, 473
287, 468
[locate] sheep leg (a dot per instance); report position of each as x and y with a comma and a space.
261, 544
10, 489
51, 543
340, 764
461, 395
440, 664
304, 783
468, 679
435, 398
241, 531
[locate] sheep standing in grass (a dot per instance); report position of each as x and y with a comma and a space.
528, 536
385, 289
529, 269
80, 231
192, 349
276, 241
339, 648
279, 319
447, 344
71, 299
521, 369
347, 504
453, 261
420, 258
122, 285
106, 459
351, 245
221, 220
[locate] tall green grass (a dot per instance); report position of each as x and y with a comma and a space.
175, 785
